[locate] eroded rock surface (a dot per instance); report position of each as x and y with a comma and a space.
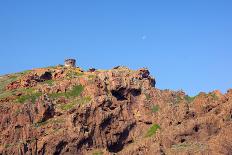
62, 110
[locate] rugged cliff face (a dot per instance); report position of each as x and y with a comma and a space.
60, 110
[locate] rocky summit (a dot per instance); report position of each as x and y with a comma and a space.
65, 110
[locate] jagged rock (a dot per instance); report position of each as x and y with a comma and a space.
44, 109
117, 111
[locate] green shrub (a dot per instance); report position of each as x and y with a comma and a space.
41, 123
176, 99
29, 97
49, 82
18, 111
189, 146
155, 108
189, 98
148, 96
92, 76
6, 94
68, 106
214, 96
52, 121
24, 72
73, 74
9, 145
52, 67
5, 80
84, 100
56, 95
98, 153
152, 130
57, 121
71, 105
75, 91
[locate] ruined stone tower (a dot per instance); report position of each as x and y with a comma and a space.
70, 63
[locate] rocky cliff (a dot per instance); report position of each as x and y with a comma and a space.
58, 110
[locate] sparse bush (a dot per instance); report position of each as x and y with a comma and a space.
177, 99
17, 112
74, 74
214, 96
189, 99
148, 96
97, 153
52, 67
8, 145
24, 72
49, 82
52, 121
57, 121
6, 94
5, 80
74, 92
68, 106
84, 100
92, 76
41, 123
155, 108
29, 97
189, 146
71, 105
152, 130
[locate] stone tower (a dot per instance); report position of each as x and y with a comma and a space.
70, 63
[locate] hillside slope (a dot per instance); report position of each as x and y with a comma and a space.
58, 110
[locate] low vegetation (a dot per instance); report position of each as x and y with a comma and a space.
148, 97
84, 100
30, 94
52, 121
154, 108
188, 146
49, 82
189, 99
97, 153
20, 142
177, 99
152, 130
39, 124
214, 96
17, 112
74, 74
9, 145
80, 101
52, 67
29, 97
24, 72
68, 106
74, 92
5, 80
92, 76
6, 94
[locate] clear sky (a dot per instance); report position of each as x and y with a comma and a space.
186, 44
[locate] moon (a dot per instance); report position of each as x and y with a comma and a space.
144, 37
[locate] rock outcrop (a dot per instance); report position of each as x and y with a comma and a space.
60, 110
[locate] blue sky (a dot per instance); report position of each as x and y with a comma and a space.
186, 44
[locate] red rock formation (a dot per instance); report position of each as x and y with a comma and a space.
115, 111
